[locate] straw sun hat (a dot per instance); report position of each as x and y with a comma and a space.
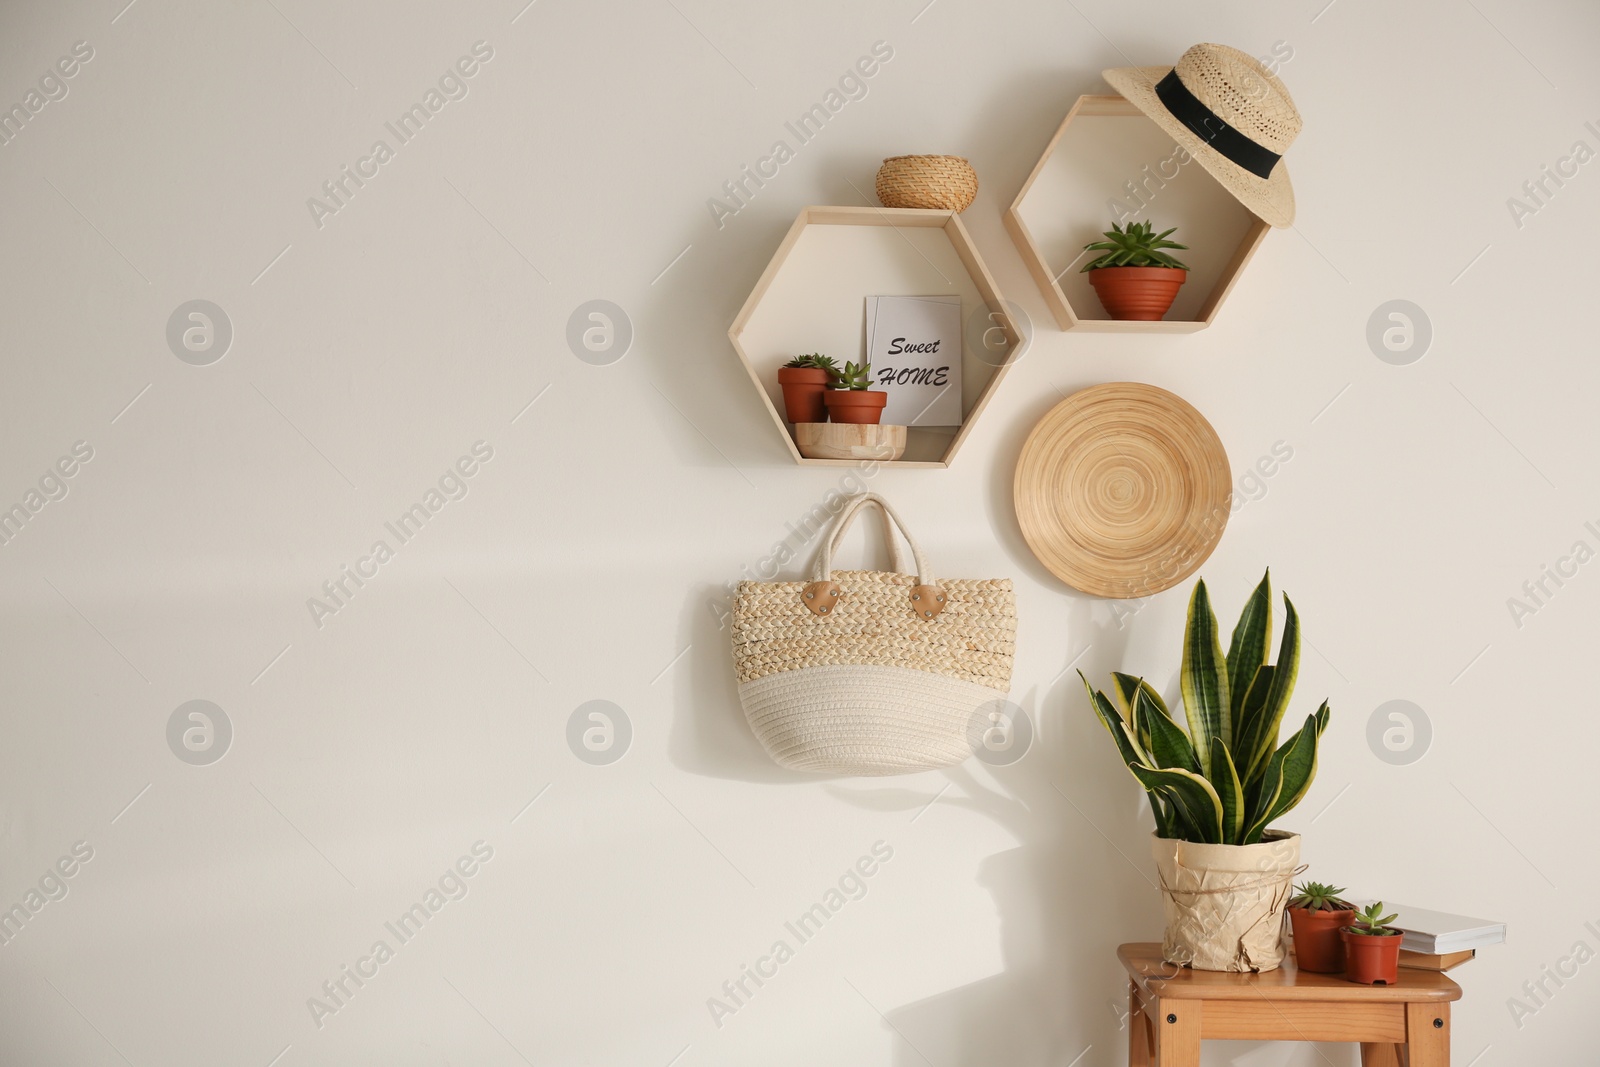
1230, 113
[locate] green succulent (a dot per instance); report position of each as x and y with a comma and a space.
1137, 246
857, 376
1372, 921
1226, 778
815, 361
1314, 896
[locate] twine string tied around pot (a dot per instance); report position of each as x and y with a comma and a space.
1263, 881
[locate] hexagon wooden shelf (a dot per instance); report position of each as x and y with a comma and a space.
1107, 152
811, 298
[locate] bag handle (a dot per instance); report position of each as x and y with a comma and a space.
824, 567
925, 599
846, 516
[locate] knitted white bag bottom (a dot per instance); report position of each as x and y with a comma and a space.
862, 719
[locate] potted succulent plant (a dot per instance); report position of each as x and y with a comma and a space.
1216, 787
1372, 947
852, 398
1134, 278
804, 379
1316, 914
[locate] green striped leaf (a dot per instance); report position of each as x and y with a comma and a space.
1204, 675
1251, 720
1197, 804
1299, 768
1225, 780
1154, 697
1287, 778
1284, 673
1166, 816
1248, 649
1127, 744
1126, 686
1260, 799
1125, 689
1169, 745
1262, 796
1132, 752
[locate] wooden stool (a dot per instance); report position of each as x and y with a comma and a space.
1171, 1009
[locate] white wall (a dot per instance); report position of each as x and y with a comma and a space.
588, 557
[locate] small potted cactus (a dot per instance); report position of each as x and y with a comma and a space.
852, 398
1134, 278
804, 379
1317, 913
1372, 947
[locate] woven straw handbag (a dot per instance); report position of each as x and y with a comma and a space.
871, 672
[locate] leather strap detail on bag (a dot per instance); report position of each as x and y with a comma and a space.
926, 601
820, 597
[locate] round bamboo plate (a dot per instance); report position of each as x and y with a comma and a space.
1122, 490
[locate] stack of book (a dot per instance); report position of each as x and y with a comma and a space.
1439, 941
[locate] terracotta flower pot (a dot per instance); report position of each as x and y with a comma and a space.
1140, 293
1317, 943
1370, 959
802, 393
855, 405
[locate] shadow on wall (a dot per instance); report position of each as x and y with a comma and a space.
1076, 886
1027, 1013
1065, 898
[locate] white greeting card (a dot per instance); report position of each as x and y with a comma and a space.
914, 345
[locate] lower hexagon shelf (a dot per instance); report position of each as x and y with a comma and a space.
1108, 153
811, 298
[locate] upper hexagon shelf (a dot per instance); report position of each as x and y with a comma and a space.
1109, 163
811, 298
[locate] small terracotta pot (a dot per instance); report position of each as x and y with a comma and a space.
1370, 959
802, 393
1318, 946
1142, 294
855, 405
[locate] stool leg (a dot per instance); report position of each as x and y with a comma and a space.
1379, 1055
1428, 1035
1177, 1027
1138, 1029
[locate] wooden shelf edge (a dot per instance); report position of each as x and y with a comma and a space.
1131, 326
920, 464
1034, 260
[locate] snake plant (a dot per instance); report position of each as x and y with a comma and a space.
1225, 778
